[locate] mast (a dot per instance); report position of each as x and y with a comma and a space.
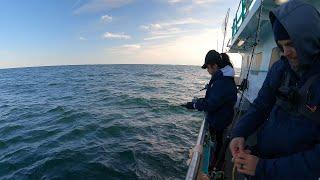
224, 28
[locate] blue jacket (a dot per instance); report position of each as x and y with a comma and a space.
220, 99
288, 145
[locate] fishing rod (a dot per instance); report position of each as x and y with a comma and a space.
205, 87
194, 95
161, 106
143, 107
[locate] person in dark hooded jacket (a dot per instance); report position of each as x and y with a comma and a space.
220, 98
287, 108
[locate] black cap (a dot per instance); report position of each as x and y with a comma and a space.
212, 57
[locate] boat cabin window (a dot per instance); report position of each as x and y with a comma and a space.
248, 61
244, 66
256, 64
275, 56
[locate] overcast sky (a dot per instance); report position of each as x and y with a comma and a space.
59, 32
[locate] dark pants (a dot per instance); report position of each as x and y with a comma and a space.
217, 137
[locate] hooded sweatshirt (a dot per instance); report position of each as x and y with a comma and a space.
221, 96
227, 71
287, 145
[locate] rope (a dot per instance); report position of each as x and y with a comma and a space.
234, 172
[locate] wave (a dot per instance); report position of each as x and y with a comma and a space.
146, 74
140, 101
59, 109
56, 84
10, 128
72, 116
97, 122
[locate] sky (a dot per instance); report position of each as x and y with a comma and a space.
65, 32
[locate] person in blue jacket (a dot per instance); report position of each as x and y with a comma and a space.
287, 108
220, 98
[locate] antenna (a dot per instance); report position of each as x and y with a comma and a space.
224, 28
217, 40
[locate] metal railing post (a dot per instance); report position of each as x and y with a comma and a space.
197, 153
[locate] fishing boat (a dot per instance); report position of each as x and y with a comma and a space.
252, 37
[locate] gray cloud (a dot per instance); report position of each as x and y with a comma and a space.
106, 18
100, 5
109, 35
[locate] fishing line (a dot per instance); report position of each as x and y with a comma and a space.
145, 107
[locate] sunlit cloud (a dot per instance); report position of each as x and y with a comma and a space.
169, 29
106, 18
175, 1
126, 49
109, 35
186, 9
82, 38
204, 1
196, 4
162, 25
185, 49
100, 5
194, 1
158, 37
168, 33
132, 46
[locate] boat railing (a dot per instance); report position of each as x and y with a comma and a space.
197, 153
241, 13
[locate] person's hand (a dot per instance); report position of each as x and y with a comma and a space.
189, 105
201, 100
236, 146
246, 163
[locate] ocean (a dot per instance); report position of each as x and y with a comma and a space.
98, 121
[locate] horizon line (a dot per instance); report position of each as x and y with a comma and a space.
60, 65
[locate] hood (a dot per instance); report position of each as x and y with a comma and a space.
302, 22
227, 71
